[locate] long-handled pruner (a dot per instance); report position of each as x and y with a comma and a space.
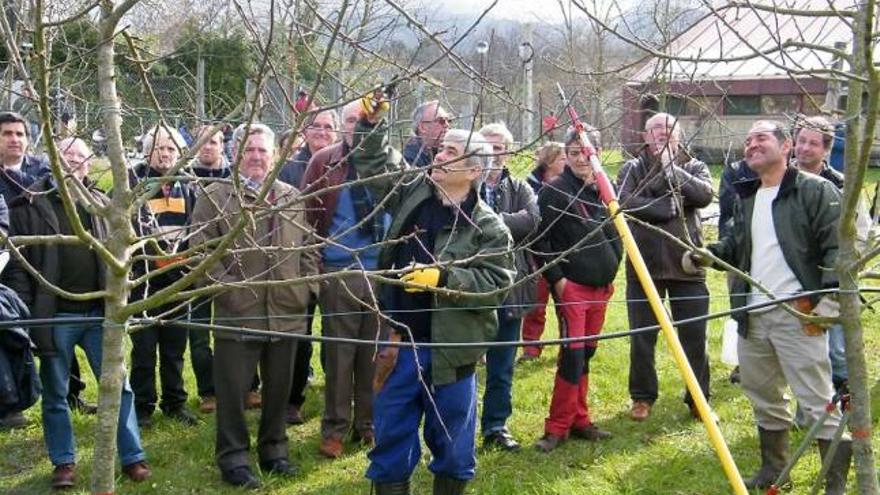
609, 197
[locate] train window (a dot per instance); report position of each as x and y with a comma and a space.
742, 105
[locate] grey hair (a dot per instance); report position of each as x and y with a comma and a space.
70, 141
593, 134
350, 107
475, 146
498, 129
333, 116
149, 138
253, 128
419, 114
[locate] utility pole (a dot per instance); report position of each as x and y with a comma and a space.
200, 89
527, 55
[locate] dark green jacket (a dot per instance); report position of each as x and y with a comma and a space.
805, 216
475, 257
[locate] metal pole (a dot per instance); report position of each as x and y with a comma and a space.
200, 89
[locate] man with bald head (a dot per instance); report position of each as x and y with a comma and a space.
785, 237
664, 188
75, 269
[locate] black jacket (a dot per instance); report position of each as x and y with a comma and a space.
737, 179
516, 204
648, 195
19, 381
574, 218
35, 215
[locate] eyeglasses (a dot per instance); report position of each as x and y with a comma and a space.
444, 121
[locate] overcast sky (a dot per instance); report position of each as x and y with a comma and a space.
520, 10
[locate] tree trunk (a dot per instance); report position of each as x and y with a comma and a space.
859, 137
120, 237
110, 392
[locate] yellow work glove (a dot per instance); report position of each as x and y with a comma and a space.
420, 279
375, 105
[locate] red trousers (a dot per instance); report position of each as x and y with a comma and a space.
583, 310
534, 320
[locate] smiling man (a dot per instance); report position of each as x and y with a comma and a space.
785, 211
445, 238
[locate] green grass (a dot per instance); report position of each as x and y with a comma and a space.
669, 454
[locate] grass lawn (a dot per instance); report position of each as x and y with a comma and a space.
669, 454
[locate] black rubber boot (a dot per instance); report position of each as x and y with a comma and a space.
448, 486
835, 480
774, 457
396, 488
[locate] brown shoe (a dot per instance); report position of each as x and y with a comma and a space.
207, 404
137, 471
640, 410
63, 476
590, 433
294, 416
331, 448
253, 400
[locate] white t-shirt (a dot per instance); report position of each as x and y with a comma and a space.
768, 263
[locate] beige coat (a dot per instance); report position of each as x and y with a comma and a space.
252, 258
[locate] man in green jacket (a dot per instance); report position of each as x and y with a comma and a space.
785, 237
454, 254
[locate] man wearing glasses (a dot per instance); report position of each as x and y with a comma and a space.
430, 122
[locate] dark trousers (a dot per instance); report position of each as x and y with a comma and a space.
200, 348
348, 368
302, 366
170, 342
687, 300
236, 362
497, 397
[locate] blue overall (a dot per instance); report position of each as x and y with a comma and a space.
398, 409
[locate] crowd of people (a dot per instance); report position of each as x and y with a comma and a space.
467, 252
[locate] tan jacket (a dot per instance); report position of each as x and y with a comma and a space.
251, 258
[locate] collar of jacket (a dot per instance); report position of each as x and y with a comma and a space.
466, 207
505, 173
827, 173
788, 184
535, 178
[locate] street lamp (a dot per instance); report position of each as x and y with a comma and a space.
527, 55
482, 49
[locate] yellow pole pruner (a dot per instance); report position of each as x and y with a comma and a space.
609, 197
